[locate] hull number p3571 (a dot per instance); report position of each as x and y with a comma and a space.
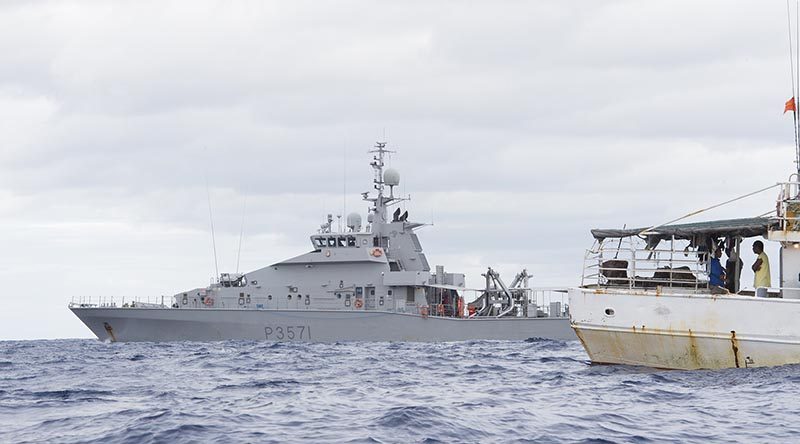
287, 333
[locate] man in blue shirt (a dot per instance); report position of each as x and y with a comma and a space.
717, 275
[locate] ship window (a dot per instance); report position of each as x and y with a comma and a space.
351, 241
342, 242
376, 242
331, 241
290, 296
389, 292
269, 297
319, 242
338, 295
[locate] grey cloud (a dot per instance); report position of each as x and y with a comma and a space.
519, 126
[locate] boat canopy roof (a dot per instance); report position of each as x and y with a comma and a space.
750, 227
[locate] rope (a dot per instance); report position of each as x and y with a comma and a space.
694, 213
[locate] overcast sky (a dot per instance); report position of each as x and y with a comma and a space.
519, 126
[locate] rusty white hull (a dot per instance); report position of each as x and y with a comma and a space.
685, 331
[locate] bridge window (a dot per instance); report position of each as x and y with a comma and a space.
342, 242
351, 241
331, 241
320, 242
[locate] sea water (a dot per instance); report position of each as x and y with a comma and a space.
485, 391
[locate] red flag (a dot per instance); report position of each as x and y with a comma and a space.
789, 106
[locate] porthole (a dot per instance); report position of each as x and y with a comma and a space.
609, 311
269, 297
338, 295
290, 296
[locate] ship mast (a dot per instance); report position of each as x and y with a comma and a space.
794, 67
379, 202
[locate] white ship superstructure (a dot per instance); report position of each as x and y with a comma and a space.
366, 282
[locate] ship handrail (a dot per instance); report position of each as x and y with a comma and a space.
117, 302
624, 262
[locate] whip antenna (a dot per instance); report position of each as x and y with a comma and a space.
213, 237
241, 234
344, 183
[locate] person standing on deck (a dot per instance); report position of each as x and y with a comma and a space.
733, 271
716, 278
761, 266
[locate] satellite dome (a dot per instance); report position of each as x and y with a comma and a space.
354, 221
391, 177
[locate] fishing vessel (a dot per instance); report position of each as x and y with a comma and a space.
660, 296
647, 296
361, 282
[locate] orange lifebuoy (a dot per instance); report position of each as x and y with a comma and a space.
359, 303
377, 252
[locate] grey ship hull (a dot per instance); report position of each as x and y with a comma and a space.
154, 324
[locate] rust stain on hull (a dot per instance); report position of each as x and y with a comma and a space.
694, 354
110, 331
735, 347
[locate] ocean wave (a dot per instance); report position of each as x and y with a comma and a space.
476, 391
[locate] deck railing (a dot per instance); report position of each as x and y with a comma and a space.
117, 301
543, 302
627, 262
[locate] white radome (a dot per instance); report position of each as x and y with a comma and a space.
391, 177
354, 221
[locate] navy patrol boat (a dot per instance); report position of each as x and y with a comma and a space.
360, 283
